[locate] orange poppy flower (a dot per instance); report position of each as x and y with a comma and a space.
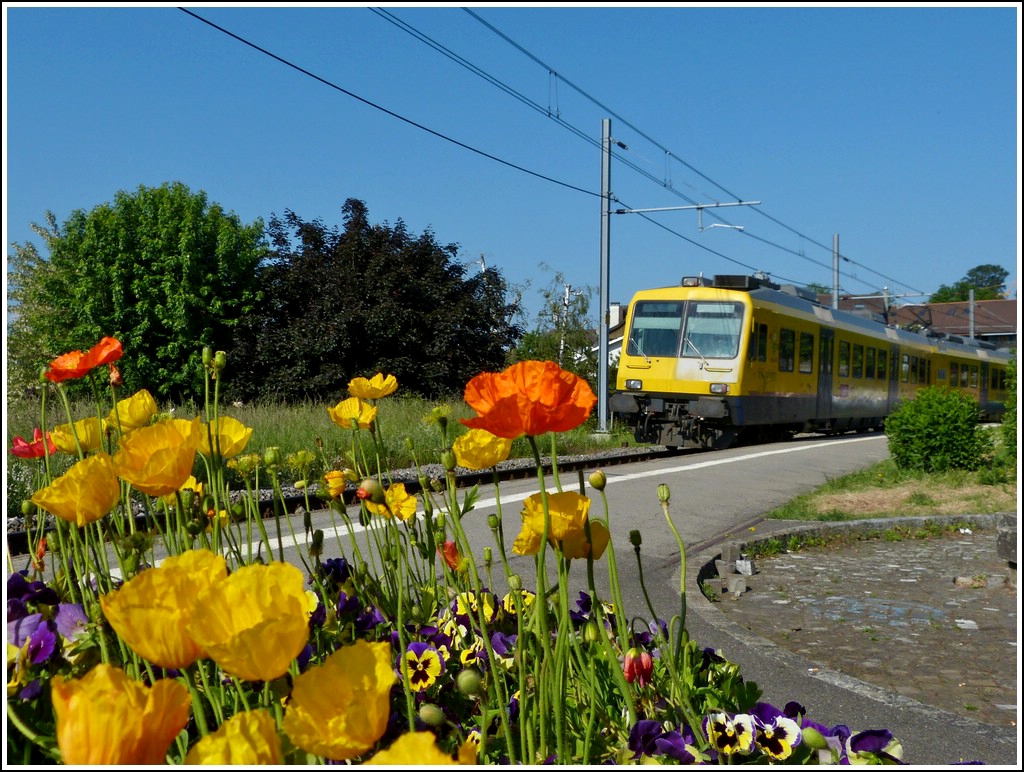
529, 397
75, 364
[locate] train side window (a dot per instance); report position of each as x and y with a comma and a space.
806, 352
905, 368
844, 359
974, 376
913, 369
954, 373
759, 343
787, 346
869, 363
964, 376
925, 370
858, 360
882, 359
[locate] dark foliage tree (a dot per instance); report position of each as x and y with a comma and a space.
988, 282
367, 299
162, 269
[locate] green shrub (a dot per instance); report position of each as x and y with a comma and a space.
1008, 428
937, 431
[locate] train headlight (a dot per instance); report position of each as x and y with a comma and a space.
634, 384
719, 388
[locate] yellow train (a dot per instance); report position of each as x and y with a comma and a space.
740, 359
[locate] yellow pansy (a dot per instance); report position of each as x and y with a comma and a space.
83, 494
229, 435
255, 622
339, 709
373, 388
249, 738
479, 449
151, 612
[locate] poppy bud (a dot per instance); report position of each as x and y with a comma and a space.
635, 539
220, 360
515, 583
431, 715
371, 490
28, 508
638, 667
469, 682
493, 522
591, 632
598, 480
813, 738
207, 356
115, 375
448, 460
664, 493
272, 456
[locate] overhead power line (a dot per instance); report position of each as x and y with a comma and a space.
393, 114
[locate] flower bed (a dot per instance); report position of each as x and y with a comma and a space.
397, 652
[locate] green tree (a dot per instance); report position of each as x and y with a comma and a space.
367, 299
988, 282
162, 269
563, 331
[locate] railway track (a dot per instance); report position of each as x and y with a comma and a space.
515, 469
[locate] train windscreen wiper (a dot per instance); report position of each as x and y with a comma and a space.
688, 342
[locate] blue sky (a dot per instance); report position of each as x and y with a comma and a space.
895, 128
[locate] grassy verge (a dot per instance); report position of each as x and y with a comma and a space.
883, 490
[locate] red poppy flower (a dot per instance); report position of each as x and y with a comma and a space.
450, 553
75, 364
528, 398
35, 449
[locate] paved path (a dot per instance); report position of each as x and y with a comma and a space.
889, 621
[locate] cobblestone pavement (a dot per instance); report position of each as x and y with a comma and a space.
934, 619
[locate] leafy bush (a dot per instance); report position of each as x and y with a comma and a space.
1009, 425
937, 431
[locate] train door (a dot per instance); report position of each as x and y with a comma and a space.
823, 413
983, 387
894, 378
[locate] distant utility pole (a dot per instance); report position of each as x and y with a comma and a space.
602, 333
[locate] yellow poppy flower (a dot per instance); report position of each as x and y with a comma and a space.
151, 611
351, 409
339, 709
158, 459
191, 484
373, 388
397, 502
83, 494
249, 738
105, 717
413, 749
254, 623
133, 412
479, 449
568, 513
229, 434
336, 482
89, 432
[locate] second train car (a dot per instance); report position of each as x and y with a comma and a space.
712, 363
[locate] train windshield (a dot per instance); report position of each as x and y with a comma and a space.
700, 329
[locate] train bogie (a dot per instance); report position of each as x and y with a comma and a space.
709, 364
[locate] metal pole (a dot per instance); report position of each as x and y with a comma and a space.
835, 270
970, 310
603, 311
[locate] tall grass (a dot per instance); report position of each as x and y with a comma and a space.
407, 438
